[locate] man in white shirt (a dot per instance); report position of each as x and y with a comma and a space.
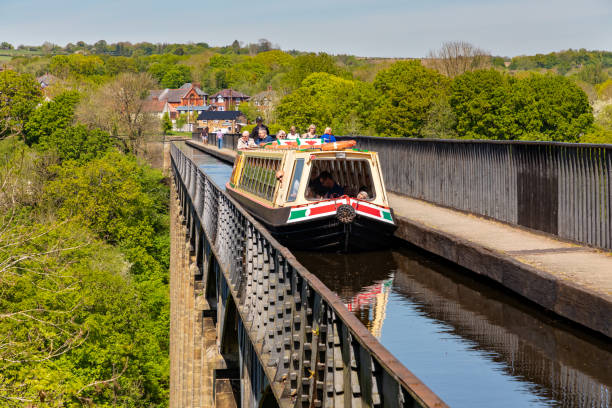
245, 142
293, 134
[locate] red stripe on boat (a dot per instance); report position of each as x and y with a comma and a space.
369, 210
322, 209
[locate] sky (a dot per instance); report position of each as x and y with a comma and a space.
374, 28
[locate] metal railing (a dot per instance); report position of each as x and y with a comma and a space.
291, 329
559, 188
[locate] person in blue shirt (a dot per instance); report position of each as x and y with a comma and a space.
327, 136
264, 137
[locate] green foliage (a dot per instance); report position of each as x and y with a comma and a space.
593, 74
181, 120
326, 100
604, 90
176, 76
122, 201
78, 328
304, 65
166, 123
563, 61
407, 91
19, 95
51, 116
250, 111
483, 105
491, 105
76, 143
556, 106
76, 64
598, 134
79, 335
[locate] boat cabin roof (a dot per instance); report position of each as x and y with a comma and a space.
289, 177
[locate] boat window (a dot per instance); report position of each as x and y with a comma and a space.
295, 180
259, 176
350, 177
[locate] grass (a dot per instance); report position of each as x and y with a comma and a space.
177, 133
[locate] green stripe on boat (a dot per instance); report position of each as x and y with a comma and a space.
297, 214
387, 215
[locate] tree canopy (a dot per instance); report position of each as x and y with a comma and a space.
326, 100
491, 105
19, 95
51, 116
407, 92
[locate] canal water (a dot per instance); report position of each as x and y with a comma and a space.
474, 344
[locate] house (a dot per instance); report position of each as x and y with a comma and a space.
227, 99
189, 98
157, 107
265, 101
225, 121
46, 80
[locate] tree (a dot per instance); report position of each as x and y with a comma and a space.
456, 57
100, 47
407, 91
166, 124
118, 108
236, 46
304, 65
121, 201
482, 103
51, 116
326, 100
6, 46
593, 74
176, 76
19, 95
77, 143
556, 104
491, 105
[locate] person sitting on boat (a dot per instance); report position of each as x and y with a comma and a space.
281, 134
363, 193
293, 134
325, 186
245, 142
327, 136
311, 134
264, 137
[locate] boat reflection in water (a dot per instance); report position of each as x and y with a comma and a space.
474, 345
363, 285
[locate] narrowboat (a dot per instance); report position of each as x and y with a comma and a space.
315, 196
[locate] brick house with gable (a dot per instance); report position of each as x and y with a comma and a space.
186, 99
227, 99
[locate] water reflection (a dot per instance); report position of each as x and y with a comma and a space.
494, 349
362, 281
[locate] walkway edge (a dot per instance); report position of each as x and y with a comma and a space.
566, 299
229, 156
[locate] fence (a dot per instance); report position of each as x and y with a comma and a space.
230, 140
559, 188
289, 329
564, 189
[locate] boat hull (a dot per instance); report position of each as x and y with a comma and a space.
321, 234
